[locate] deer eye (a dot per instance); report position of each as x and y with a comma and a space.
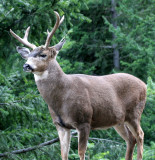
43, 55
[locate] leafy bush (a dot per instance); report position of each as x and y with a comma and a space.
24, 118
148, 120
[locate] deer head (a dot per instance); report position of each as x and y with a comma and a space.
38, 57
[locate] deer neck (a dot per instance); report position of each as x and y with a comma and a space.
52, 72
51, 82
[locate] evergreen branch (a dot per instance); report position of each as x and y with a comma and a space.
6, 154
49, 143
101, 139
95, 46
13, 102
9, 103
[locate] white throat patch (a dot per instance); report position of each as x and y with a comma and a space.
40, 75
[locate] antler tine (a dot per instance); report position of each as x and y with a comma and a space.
23, 40
27, 33
62, 19
57, 24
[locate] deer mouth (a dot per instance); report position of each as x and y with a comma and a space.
27, 68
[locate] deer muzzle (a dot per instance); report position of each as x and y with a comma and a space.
27, 68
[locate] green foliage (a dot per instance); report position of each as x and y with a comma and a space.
88, 41
135, 37
100, 156
148, 120
149, 152
24, 117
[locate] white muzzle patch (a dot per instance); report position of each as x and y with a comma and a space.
31, 63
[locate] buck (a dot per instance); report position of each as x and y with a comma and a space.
85, 102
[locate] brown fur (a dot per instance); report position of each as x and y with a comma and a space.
93, 102
85, 102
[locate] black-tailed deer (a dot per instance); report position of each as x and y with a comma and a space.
84, 102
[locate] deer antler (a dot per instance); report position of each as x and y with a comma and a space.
50, 34
24, 40
49, 37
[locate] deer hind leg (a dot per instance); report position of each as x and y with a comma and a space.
83, 134
125, 133
64, 136
138, 133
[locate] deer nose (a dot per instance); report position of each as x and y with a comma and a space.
27, 67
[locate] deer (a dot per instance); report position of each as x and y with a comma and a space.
85, 102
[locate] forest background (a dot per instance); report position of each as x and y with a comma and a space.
102, 37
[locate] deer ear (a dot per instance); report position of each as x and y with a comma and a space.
60, 44
24, 52
53, 52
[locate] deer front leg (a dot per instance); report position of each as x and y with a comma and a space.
83, 134
64, 136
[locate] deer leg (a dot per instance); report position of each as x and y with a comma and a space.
83, 134
64, 136
125, 133
138, 133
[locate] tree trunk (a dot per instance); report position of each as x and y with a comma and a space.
116, 61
